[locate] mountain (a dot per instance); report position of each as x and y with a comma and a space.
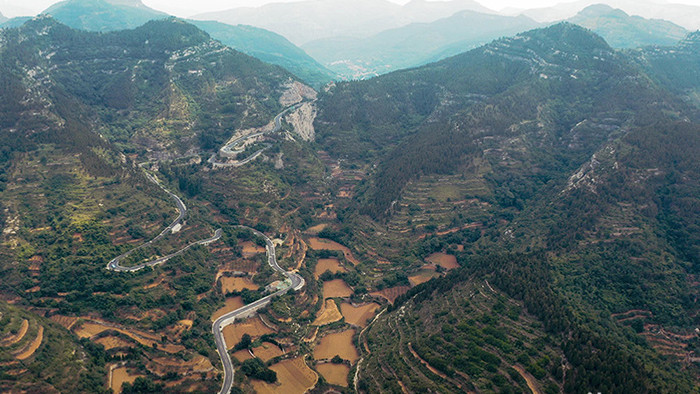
414, 44
104, 16
687, 16
78, 112
623, 31
309, 20
269, 47
556, 147
2, 18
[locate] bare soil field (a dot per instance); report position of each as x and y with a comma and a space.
392, 293
332, 265
242, 355
326, 244
12, 339
336, 374
340, 344
232, 304
231, 284
199, 364
358, 315
422, 277
294, 377
316, 229
90, 329
328, 314
446, 261
29, 350
267, 351
112, 342
250, 249
66, 321
253, 327
119, 377
336, 288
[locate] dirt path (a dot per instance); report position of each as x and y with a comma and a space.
531, 382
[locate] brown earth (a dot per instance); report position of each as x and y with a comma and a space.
119, 377
29, 350
336, 374
422, 277
90, 329
11, 340
329, 314
316, 229
293, 375
337, 344
392, 293
446, 261
250, 249
253, 327
336, 288
242, 355
231, 305
267, 351
66, 321
332, 265
231, 284
111, 342
326, 244
358, 315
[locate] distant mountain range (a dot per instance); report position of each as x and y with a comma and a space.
305, 21
624, 31
684, 15
112, 15
414, 44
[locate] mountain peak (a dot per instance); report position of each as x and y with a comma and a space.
569, 35
600, 10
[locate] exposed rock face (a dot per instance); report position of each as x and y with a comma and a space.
303, 121
295, 93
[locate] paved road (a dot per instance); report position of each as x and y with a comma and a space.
293, 281
229, 149
115, 263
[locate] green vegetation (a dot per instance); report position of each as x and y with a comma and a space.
256, 369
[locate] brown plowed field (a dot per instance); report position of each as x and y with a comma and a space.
336, 288
337, 344
294, 377
336, 374
358, 315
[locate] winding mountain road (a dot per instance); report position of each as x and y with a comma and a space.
115, 263
229, 148
294, 281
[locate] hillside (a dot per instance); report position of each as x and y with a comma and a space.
38, 355
79, 111
107, 16
549, 141
269, 47
102, 15
414, 44
623, 31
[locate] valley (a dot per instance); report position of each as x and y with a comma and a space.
178, 216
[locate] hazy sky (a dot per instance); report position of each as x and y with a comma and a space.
189, 7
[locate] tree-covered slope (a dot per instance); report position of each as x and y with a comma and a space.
102, 15
269, 47
107, 16
578, 157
